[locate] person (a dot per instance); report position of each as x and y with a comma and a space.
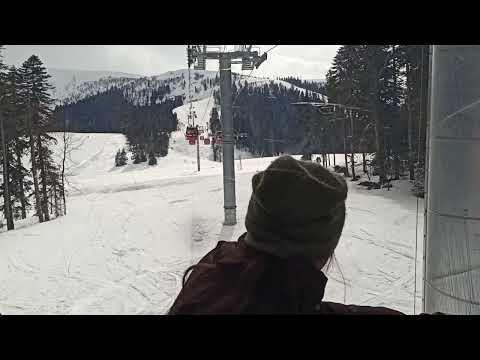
294, 221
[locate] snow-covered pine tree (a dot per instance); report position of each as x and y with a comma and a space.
117, 158
136, 154
152, 159
123, 158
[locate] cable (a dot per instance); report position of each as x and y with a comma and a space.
271, 48
249, 75
209, 98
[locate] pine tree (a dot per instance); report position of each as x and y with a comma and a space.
143, 156
6, 185
391, 89
53, 182
123, 158
21, 183
12, 111
6, 140
359, 77
152, 160
423, 89
38, 103
375, 59
117, 158
136, 153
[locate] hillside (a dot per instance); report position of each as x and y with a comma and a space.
114, 104
65, 80
74, 86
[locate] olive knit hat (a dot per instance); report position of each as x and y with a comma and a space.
297, 208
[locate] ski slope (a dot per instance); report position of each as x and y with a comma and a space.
130, 233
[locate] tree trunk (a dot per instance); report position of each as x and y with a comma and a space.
411, 153
43, 175
352, 149
63, 172
373, 72
38, 206
364, 161
55, 199
334, 158
23, 202
333, 144
396, 140
272, 133
6, 180
379, 132
380, 142
396, 166
345, 146
51, 202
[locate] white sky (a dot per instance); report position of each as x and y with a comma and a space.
306, 61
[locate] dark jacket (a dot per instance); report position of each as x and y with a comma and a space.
234, 278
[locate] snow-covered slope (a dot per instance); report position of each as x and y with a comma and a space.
131, 232
259, 81
65, 80
142, 90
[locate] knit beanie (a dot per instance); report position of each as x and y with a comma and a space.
297, 208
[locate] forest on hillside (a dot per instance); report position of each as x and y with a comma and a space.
147, 127
378, 98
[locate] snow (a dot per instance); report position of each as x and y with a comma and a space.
64, 80
131, 232
136, 89
75, 85
257, 81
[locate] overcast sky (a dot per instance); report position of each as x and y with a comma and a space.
306, 61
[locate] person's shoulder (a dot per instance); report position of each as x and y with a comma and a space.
222, 249
331, 308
